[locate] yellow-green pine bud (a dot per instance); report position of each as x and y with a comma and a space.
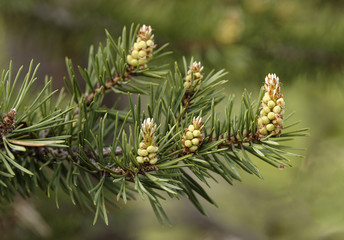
135, 53
196, 133
193, 148
133, 62
281, 102
144, 153
260, 122
142, 53
139, 159
271, 104
266, 110
129, 58
152, 155
151, 149
150, 43
187, 85
271, 115
266, 98
189, 135
277, 109
136, 46
188, 143
142, 61
270, 127
142, 145
263, 131
265, 120
142, 44
195, 141
191, 128
153, 161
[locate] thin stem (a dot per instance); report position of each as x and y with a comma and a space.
110, 83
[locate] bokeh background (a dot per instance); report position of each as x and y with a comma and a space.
302, 41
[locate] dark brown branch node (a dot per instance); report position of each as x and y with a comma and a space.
7, 124
110, 83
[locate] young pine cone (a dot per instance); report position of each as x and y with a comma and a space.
270, 119
195, 75
193, 136
142, 48
148, 150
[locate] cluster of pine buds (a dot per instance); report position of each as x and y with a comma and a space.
142, 49
193, 137
147, 152
270, 119
194, 76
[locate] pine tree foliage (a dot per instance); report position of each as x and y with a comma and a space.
97, 154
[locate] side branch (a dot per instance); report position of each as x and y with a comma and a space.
110, 83
61, 153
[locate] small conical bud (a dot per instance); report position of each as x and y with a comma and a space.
147, 152
194, 76
142, 48
270, 120
193, 137
197, 123
8, 122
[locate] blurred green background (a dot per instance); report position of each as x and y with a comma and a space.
302, 41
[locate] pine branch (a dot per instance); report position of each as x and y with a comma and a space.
93, 153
